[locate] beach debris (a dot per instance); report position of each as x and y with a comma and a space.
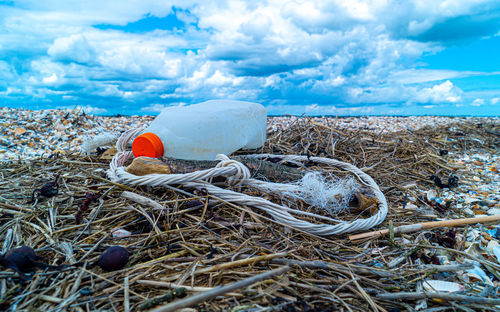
23, 260
424, 226
442, 286
108, 153
447, 239
49, 189
84, 206
146, 165
120, 233
19, 131
400, 163
91, 143
272, 171
113, 258
443, 152
244, 122
332, 195
452, 181
169, 296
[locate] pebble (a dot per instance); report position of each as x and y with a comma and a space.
28, 134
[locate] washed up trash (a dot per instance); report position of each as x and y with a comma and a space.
442, 286
494, 249
196, 223
202, 131
49, 189
452, 181
478, 274
120, 233
493, 211
102, 139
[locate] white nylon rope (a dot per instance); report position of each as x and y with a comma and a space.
238, 174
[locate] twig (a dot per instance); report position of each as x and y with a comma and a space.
425, 226
187, 288
190, 301
448, 267
232, 264
143, 200
438, 295
178, 292
126, 295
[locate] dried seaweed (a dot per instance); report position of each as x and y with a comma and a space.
198, 242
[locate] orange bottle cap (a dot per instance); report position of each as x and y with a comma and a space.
147, 144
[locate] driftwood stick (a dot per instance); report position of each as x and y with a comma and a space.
177, 286
425, 226
160, 299
17, 208
227, 265
273, 171
447, 267
321, 265
438, 295
204, 296
143, 200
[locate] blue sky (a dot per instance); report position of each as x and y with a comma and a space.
334, 57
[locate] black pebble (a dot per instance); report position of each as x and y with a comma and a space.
113, 258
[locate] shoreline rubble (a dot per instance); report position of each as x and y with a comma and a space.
197, 243
29, 134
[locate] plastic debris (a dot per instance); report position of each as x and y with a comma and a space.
444, 286
120, 233
102, 139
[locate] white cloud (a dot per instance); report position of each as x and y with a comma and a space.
494, 101
74, 48
300, 52
92, 109
157, 107
478, 102
50, 79
315, 109
445, 92
421, 75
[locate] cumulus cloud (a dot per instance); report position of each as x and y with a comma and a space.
74, 48
445, 92
478, 102
336, 54
92, 109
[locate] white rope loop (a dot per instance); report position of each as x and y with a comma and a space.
238, 174
242, 172
359, 224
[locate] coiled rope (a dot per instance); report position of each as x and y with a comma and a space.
239, 175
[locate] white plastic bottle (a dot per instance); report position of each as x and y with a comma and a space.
202, 131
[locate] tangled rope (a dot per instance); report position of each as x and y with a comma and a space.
239, 175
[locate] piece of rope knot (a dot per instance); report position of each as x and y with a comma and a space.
242, 172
